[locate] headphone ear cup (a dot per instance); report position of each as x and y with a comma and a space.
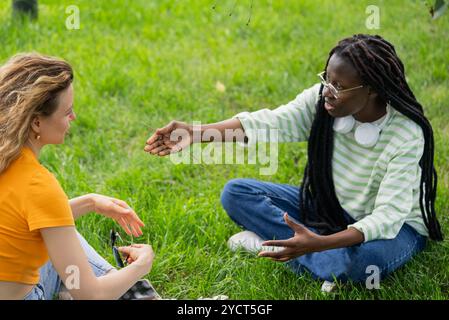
367, 135
344, 124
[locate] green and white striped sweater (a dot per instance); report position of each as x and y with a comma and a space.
377, 186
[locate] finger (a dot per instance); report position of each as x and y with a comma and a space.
278, 243
124, 225
129, 212
276, 255
282, 259
295, 226
171, 149
282, 255
133, 226
133, 231
138, 229
177, 147
150, 147
158, 149
278, 259
126, 250
168, 143
135, 218
155, 137
155, 142
165, 152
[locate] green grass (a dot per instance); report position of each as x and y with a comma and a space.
140, 64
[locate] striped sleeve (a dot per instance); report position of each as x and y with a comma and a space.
288, 123
394, 200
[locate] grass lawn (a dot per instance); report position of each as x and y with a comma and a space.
140, 64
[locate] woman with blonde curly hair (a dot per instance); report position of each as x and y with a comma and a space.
36, 217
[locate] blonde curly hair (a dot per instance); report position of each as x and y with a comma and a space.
29, 87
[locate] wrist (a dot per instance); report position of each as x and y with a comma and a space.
137, 269
324, 243
143, 263
196, 132
90, 201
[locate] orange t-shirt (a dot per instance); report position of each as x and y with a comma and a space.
30, 199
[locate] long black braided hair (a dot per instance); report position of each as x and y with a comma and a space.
378, 65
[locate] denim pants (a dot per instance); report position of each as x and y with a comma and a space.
259, 206
50, 283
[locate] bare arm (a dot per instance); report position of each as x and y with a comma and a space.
81, 205
345, 238
71, 263
178, 135
231, 130
115, 209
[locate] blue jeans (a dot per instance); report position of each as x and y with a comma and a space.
50, 283
259, 206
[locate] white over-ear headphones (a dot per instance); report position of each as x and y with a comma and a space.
366, 134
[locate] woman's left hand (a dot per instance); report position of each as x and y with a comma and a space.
304, 241
119, 211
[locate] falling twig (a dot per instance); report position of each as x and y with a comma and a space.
250, 13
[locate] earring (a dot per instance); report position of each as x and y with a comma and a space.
37, 137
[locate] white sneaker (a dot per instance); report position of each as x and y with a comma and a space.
219, 297
250, 242
328, 286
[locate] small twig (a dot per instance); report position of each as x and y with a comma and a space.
250, 13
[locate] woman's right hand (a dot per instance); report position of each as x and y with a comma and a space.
139, 254
161, 143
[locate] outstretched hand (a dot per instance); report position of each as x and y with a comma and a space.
172, 138
119, 211
304, 241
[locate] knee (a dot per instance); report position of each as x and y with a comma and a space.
230, 194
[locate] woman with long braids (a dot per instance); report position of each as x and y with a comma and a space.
368, 193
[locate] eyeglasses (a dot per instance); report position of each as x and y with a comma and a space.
335, 92
114, 236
